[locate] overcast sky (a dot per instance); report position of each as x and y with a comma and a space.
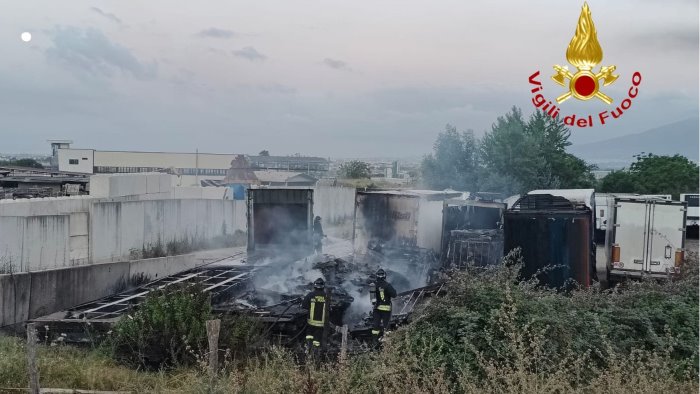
329, 78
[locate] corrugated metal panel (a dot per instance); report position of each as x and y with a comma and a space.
556, 246
555, 238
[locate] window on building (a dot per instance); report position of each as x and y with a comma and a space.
84, 158
72, 161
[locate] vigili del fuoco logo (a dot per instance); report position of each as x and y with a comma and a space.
584, 53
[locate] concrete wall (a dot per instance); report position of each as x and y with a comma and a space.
121, 230
30, 295
336, 205
14, 298
194, 192
45, 206
34, 242
120, 185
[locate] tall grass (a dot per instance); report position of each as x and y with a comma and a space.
490, 334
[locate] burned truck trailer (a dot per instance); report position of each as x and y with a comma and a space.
472, 232
410, 218
280, 219
555, 235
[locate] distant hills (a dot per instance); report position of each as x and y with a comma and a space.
675, 138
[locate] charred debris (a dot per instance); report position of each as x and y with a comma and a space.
415, 236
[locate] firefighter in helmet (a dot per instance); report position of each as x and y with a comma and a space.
315, 303
383, 293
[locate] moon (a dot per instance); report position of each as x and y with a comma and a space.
26, 36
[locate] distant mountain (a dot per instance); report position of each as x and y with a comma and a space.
675, 138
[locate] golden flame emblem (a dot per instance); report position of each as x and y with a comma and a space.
584, 52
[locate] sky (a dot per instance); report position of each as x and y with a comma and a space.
328, 78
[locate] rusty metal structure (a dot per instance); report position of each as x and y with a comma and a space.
555, 235
100, 315
472, 232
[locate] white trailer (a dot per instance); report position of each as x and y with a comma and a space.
602, 202
693, 216
644, 237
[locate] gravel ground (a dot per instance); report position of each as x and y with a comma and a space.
691, 245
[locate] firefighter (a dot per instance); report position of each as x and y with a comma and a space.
315, 303
318, 235
381, 301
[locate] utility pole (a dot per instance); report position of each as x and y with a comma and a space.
196, 164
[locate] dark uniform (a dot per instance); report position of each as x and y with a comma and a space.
383, 293
315, 303
318, 235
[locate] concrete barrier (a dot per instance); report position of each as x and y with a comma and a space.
336, 205
34, 242
131, 184
30, 295
124, 230
196, 192
54, 290
14, 298
45, 206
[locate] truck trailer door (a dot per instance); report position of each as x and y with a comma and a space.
666, 237
630, 233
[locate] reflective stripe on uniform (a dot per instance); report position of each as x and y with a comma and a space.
310, 337
312, 312
315, 323
317, 343
375, 332
381, 293
384, 308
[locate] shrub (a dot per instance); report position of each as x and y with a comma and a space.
488, 325
168, 328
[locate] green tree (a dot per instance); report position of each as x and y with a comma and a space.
618, 182
355, 169
454, 162
21, 163
652, 174
533, 153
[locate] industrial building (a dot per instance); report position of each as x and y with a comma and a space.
191, 168
22, 182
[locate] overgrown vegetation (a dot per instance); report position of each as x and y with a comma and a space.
166, 330
490, 334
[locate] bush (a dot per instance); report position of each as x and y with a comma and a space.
168, 328
488, 326
239, 335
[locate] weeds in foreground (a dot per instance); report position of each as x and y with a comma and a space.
490, 334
